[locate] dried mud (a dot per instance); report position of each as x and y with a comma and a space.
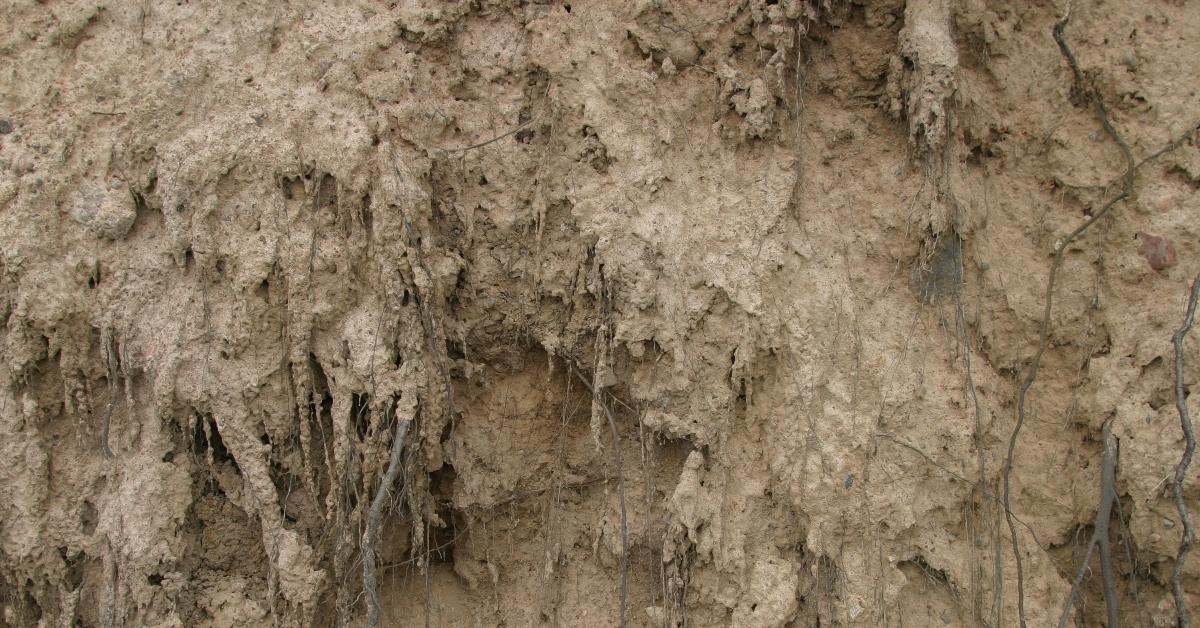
704, 313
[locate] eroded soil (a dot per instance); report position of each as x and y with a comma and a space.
703, 313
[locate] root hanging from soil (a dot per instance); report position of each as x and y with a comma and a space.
612, 426
110, 364
989, 503
1081, 87
371, 536
1108, 496
1185, 423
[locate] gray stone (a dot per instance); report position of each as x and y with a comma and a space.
105, 212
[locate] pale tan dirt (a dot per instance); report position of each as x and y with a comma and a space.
769, 237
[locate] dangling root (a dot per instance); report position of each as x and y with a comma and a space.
612, 426
371, 536
1108, 496
1079, 86
1185, 422
110, 361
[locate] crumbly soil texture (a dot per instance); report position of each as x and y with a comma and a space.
673, 312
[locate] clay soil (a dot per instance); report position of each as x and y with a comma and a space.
698, 313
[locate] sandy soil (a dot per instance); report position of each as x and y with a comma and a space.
702, 313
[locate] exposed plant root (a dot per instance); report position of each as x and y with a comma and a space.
371, 536
1185, 422
1108, 495
989, 512
983, 490
495, 139
1081, 87
612, 426
110, 361
429, 327
1130, 557
1173, 144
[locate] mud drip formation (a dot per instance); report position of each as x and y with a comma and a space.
637, 313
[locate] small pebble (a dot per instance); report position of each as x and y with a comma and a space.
6, 126
1168, 524
103, 211
1158, 251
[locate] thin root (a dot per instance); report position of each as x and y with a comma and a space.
1108, 496
1185, 422
612, 426
1079, 85
371, 535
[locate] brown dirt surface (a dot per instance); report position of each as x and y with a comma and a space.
704, 313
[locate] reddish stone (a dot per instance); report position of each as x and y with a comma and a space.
1158, 251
